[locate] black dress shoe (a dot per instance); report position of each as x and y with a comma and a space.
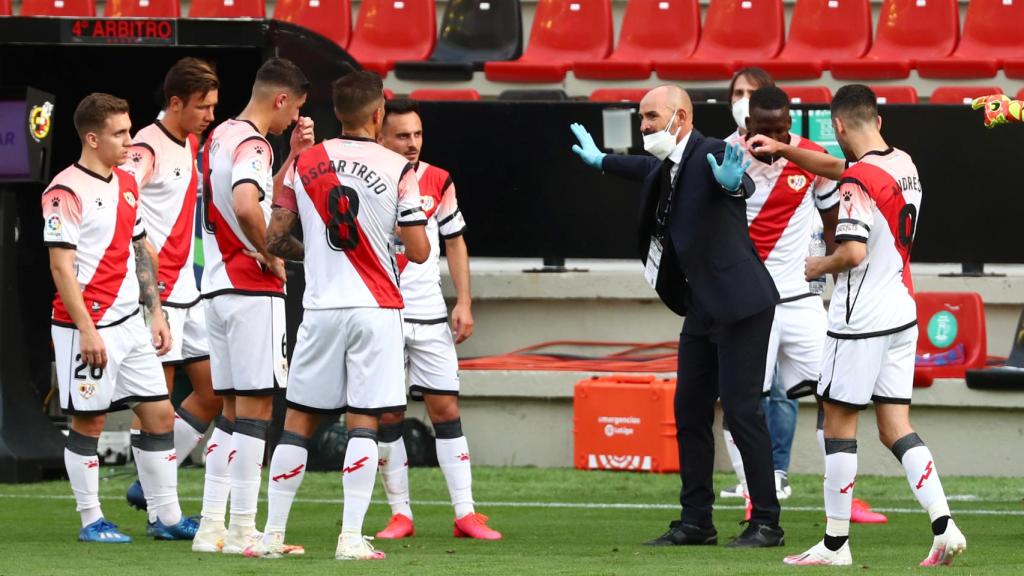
680, 534
759, 536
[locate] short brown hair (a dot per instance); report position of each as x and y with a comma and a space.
354, 93
283, 73
189, 76
92, 112
856, 105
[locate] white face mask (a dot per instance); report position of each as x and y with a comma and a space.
661, 143
740, 111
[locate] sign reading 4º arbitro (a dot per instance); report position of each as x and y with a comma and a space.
130, 31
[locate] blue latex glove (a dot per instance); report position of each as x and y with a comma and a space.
586, 149
730, 173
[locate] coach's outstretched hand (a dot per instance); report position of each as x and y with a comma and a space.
586, 149
999, 109
730, 172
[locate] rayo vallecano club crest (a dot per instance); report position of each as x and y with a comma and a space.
797, 181
87, 389
129, 198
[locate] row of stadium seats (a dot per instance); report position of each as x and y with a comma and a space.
664, 36
798, 94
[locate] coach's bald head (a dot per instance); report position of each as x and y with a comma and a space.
658, 107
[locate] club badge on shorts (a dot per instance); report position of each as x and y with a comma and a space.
87, 390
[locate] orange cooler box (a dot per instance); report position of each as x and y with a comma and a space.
625, 422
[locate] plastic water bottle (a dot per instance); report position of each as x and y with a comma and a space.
817, 285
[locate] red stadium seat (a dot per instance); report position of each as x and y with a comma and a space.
564, 31
821, 31
808, 94
428, 94
84, 8
993, 33
951, 335
651, 30
331, 19
734, 31
618, 94
908, 30
228, 9
895, 94
961, 94
1020, 95
391, 30
142, 9
5, 8
388, 94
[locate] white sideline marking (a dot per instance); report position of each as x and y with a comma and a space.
568, 505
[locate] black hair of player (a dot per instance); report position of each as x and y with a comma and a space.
354, 93
92, 112
769, 98
400, 106
756, 76
283, 73
855, 105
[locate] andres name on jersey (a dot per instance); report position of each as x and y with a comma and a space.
374, 182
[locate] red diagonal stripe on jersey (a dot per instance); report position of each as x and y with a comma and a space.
243, 272
886, 193
175, 251
376, 278
113, 266
778, 210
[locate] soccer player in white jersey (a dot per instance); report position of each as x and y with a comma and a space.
872, 335
106, 359
430, 359
352, 197
163, 161
244, 285
781, 215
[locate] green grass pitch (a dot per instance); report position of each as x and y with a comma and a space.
554, 521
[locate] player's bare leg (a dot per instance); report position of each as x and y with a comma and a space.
217, 483
840, 478
357, 479
245, 460
896, 433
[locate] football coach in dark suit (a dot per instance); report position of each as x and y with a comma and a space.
698, 255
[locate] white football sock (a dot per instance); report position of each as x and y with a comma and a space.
217, 485
247, 446
287, 470
159, 476
735, 458
453, 457
840, 478
150, 509
394, 471
357, 479
83, 466
922, 475
188, 432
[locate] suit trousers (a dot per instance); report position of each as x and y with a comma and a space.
726, 361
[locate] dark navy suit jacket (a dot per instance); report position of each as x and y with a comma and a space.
710, 268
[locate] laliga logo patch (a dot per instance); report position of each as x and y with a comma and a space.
427, 202
129, 198
54, 224
797, 182
40, 121
87, 390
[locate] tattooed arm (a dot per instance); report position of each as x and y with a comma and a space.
280, 241
150, 295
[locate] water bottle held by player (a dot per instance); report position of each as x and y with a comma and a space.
817, 285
